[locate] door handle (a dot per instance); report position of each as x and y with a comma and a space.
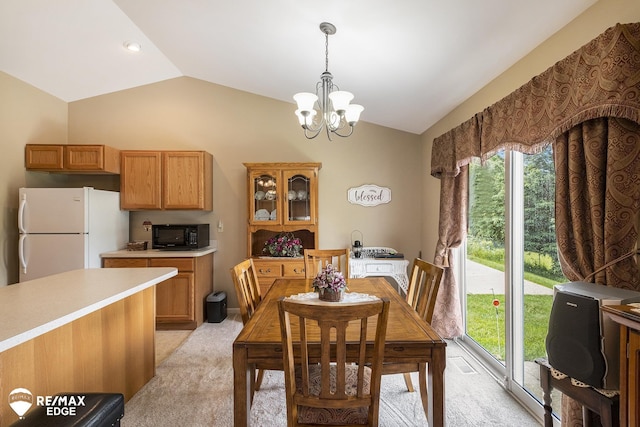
23, 261
23, 204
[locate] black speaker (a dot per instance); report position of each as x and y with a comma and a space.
573, 342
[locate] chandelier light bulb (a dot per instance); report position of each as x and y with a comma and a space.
340, 100
305, 100
305, 118
352, 114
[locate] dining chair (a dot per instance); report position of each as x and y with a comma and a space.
245, 281
424, 283
317, 259
322, 385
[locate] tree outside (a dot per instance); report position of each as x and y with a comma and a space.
486, 245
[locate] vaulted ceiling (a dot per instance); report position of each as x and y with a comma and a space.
408, 62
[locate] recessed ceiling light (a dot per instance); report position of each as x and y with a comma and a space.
132, 46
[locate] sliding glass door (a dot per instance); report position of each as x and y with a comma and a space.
510, 267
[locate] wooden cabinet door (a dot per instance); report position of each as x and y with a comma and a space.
91, 158
186, 180
174, 299
44, 157
140, 180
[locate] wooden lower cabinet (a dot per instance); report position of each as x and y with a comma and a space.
180, 300
111, 350
268, 270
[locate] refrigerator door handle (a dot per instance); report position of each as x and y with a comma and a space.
23, 204
23, 261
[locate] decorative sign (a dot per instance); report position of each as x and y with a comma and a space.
369, 195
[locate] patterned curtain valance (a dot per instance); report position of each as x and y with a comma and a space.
601, 79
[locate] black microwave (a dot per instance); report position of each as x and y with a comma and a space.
179, 236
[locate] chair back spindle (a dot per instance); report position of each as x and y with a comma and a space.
317, 259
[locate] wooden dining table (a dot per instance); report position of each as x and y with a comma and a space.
409, 340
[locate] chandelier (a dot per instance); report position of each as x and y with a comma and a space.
334, 112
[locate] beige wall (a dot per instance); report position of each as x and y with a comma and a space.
237, 127
26, 115
586, 27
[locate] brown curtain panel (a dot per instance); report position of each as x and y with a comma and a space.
454, 194
597, 205
598, 199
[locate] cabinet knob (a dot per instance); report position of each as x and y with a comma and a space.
298, 271
268, 270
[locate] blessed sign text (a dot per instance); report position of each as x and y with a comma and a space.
369, 195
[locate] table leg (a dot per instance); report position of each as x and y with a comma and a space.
242, 387
435, 387
424, 391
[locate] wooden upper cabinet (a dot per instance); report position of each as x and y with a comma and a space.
72, 158
44, 157
140, 180
283, 193
172, 180
187, 180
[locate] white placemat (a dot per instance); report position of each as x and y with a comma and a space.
347, 298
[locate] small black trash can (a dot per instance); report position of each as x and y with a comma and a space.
217, 307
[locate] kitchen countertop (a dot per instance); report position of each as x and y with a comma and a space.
33, 308
159, 253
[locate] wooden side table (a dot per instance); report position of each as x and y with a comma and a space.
395, 268
629, 320
591, 400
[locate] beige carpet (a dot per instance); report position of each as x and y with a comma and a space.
167, 342
194, 387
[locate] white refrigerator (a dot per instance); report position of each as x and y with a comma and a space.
64, 229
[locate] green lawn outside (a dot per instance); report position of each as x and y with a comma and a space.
483, 328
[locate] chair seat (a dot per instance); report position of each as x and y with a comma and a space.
334, 416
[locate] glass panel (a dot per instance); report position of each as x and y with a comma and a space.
511, 267
265, 198
485, 264
298, 198
541, 267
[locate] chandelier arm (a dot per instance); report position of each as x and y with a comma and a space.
329, 132
311, 133
335, 132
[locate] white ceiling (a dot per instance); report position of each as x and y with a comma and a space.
408, 62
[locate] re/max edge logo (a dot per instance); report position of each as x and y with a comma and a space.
21, 400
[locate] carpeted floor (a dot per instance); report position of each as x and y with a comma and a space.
193, 387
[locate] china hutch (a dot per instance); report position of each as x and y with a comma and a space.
282, 199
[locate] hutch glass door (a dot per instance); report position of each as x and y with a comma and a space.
264, 194
300, 202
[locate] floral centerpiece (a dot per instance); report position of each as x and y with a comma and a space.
330, 284
284, 245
